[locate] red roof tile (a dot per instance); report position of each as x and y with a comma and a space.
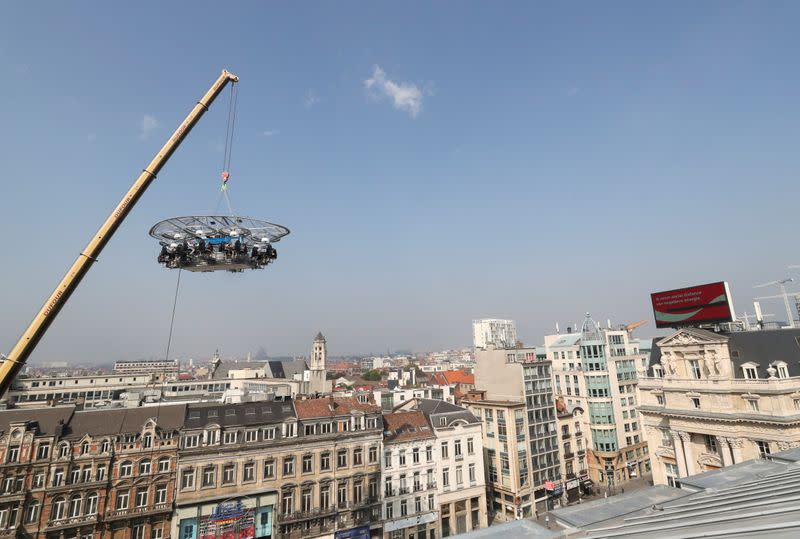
402, 426
327, 407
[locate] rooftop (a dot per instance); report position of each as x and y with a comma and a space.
332, 407
405, 426
229, 415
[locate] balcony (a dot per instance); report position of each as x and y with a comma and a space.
305, 515
566, 435
402, 490
459, 456
117, 514
431, 485
568, 454
62, 523
578, 433
311, 531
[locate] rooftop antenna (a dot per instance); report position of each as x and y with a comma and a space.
558, 332
608, 321
781, 284
758, 316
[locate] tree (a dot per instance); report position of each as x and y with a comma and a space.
372, 376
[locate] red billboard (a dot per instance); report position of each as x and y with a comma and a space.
695, 305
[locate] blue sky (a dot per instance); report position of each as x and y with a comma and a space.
515, 160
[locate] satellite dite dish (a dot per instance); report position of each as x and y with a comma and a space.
217, 242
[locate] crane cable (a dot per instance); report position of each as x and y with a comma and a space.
226, 156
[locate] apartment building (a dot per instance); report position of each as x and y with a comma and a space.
461, 488
507, 471
596, 369
337, 486
104, 474
520, 375
571, 423
409, 469
711, 400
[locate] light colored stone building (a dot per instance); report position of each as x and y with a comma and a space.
711, 399
411, 510
460, 487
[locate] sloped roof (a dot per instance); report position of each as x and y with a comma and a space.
438, 410
125, 420
286, 368
240, 414
335, 407
46, 420
404, 426
447, 378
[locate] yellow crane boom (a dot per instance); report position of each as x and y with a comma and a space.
37, 328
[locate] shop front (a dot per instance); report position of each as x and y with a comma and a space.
233, 518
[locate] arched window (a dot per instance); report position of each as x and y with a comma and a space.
163, 464
91, 504
126, 469
75, 506
84, 448
63, 450
144, 467
59, 509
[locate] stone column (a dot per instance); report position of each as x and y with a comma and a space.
724, 450
736, 448
688, 452
680, 460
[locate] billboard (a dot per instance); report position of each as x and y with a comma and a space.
704, 304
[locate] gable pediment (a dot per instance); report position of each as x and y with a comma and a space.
691, 337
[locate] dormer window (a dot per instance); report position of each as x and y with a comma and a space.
658, 371
750, 371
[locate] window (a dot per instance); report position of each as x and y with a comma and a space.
288, 466
251, 436
122, 500
373, 454
470, 447
402, 454
415, 455
32, 512
472, 473
126, 469
269, 469
417, 504
358, 456
229, 438
325, 461
161, 494
341, 494
13, 454
457, 448
287, 502
387, 459
75, 506
694, 368
147, 441
341, 458
324, 497
141, 497
403, 508
63, 451
660, 399
269, 434
209, 476
750, 371
753, 405
144, 467
444, 450
696, 402
163, 464
38, 480
249, 472
228, 474
191, 441
459, 475
137, 532
763, 448
43, 451
389, 511
388, 489
59, 510
446, 477
305, 501
797, 404
711, 443
101, 472
58, 478
783, 371
308, 463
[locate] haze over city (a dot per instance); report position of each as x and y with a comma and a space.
435, 164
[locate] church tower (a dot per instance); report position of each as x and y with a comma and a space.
319, 355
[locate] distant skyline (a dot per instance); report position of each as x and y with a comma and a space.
435, 165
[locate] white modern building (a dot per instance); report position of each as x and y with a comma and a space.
596, 370
500, 333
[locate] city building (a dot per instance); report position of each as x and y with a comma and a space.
410, 509
711, 400
234, 459
492, 331
571, 421
520, 376
160, 369
596, 369
331, 484
508, 478
461, 488
103, 474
